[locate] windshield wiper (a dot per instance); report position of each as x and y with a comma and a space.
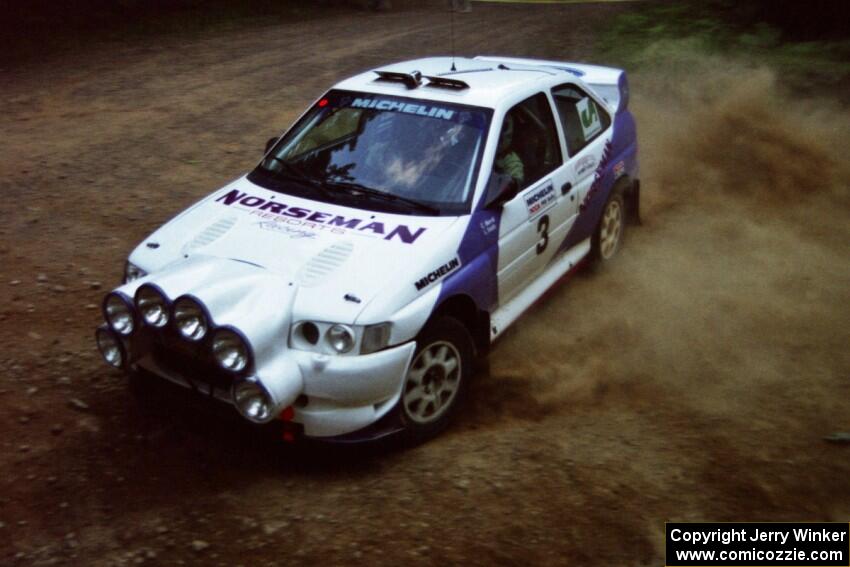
357, 189
292, 171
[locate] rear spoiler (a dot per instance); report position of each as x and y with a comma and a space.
609, 83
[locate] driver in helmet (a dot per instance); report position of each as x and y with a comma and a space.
508, 161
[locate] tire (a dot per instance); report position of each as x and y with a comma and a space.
437, 381
608, 237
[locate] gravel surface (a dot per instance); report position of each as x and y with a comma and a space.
695, 379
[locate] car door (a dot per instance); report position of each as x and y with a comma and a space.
537, 217
586, 127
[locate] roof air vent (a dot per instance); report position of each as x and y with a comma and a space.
410, 80
446, 83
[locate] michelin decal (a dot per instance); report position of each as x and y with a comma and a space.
539, 199
408, 108
437, 274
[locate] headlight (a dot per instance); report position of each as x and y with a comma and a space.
190, 318
118, 312
338, 338
309, 331
152, 305
110, 347
253, 400
341, 338
230, 350
133, 272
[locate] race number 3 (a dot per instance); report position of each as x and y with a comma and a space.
543, 232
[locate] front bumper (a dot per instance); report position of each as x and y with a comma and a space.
347, 393
340, 395
329, 396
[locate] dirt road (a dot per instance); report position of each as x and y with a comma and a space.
693, 380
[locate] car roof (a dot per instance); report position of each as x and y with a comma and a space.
489, 81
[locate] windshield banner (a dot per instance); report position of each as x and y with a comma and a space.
407, 108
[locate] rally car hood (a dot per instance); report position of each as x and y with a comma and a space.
335, 258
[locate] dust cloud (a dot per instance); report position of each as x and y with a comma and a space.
733, 295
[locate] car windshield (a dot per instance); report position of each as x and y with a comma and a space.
384, 152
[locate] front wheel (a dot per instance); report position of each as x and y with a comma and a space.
437, 379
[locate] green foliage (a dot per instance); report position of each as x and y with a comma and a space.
673, 32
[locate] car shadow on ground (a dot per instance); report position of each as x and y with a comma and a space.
187, 413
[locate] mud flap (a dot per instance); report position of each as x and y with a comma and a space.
633, 204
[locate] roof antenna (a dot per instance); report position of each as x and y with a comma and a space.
452, 9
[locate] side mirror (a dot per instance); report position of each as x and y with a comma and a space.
271, 142
501, 188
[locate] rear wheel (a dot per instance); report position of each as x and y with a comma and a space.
608, 236
437, 378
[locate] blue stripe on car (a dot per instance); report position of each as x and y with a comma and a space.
479, 256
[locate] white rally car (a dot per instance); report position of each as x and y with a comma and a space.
342, 288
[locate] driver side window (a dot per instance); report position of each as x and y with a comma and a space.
528, 142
